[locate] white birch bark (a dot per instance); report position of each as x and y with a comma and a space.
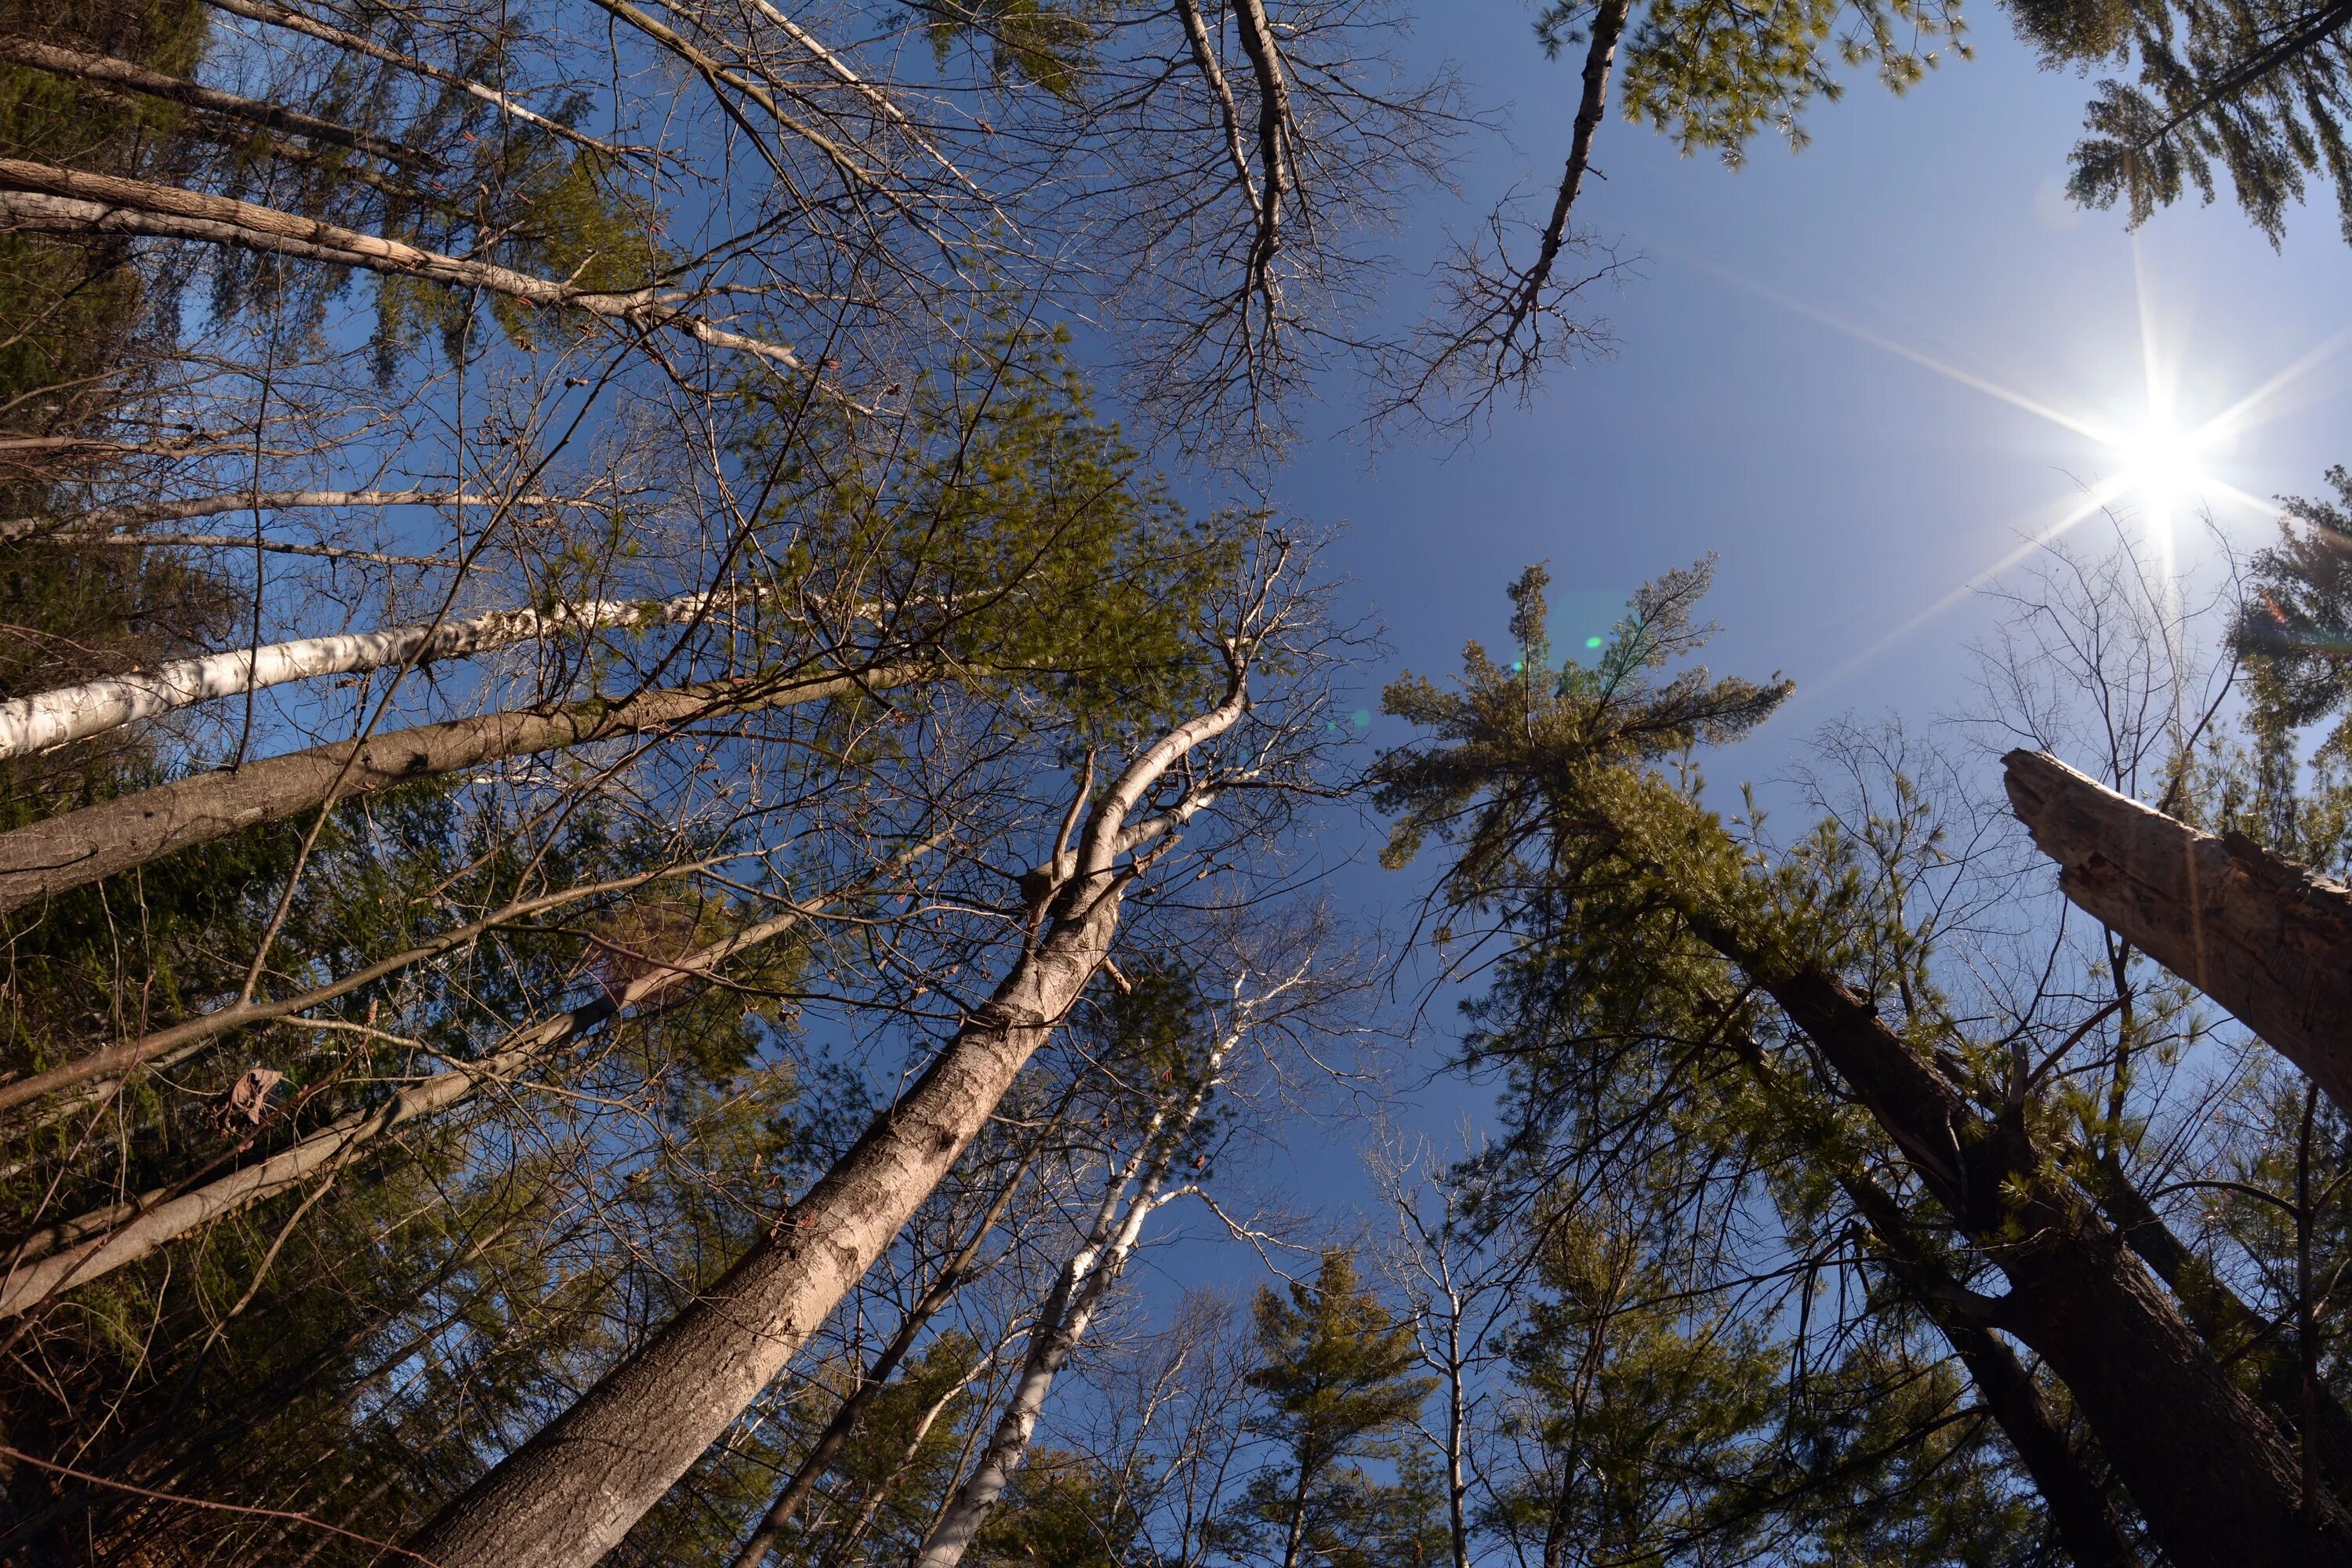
1079, 1292
47, 719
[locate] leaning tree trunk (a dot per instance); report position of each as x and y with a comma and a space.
2267, 939
98, 841
573, 1490
837, 1433
69, 713
43, 198
2085, 1525
59, 1258
2217, 1482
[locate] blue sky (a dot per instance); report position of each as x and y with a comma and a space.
1846, 488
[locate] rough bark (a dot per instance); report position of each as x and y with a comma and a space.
95, 1245
40, 196
47, 719
98, 841
837, 1431
2216, 1482
2234, 1330
569, 1494
1600, 57
2086, 1527
137, 78
2267, 939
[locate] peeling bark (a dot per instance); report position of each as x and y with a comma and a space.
47, 719
98, 841
2267, 939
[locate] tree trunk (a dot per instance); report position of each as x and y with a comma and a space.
47, 719
2267, 939
836, 1432
60, 1257
155, 84
2232, 1328
42, 197
2078, 1508
104, 520
1078, 1292
1600, 57
572, 1492
2217, 1482
98, 841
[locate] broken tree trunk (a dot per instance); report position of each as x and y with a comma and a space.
47, 719
574, 1490
81, 847
2267, 939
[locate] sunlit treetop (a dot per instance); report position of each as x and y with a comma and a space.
1714, 75
1509, 741
2250, 90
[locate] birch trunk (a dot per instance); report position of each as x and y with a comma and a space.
98, 841
105, 520
60, 1259
1078, 1292
47, 719
568, 1495
2267, 939
1062, 1322
42, 197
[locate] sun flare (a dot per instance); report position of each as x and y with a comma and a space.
2160, 465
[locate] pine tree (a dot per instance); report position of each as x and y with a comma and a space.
1336, 1367
2254, 91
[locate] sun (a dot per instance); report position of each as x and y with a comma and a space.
2160, 464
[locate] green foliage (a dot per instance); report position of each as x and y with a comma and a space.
1644, 1412
1512, 744
1049, 43
1337, 1368
1011, 532
1715, 75
2252, 90
1061, 1510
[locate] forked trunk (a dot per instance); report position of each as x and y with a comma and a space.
573, 1490
2216, 1480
